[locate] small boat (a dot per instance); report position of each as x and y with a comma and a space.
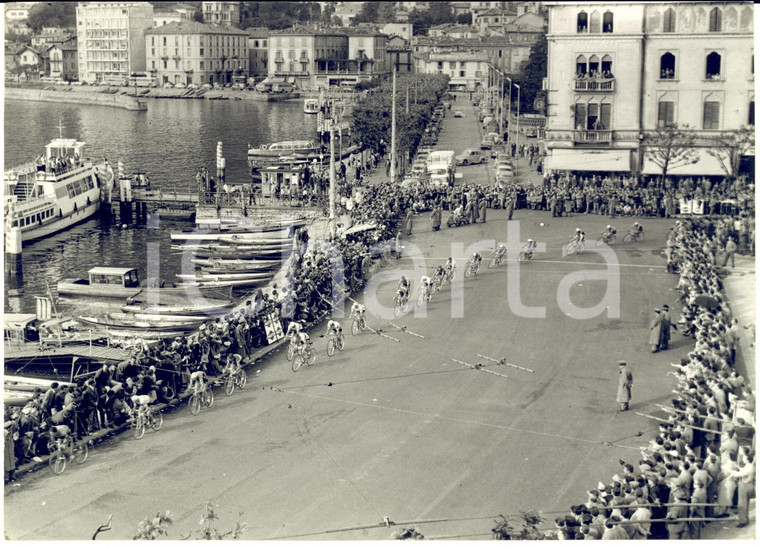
173, 213
223, 283
116, 322
236, 252
235, 264
271, 234
104, 281
311, 106
175, 302
201, 277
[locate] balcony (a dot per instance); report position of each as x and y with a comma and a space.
592, 136
598, 85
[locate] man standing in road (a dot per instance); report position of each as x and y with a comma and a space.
665, 326
436, 217
625, 383
655, 331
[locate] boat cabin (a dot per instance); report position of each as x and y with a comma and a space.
20, 328
281, 181
62, 155
114, 276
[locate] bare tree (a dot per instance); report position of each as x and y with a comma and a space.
671, 147
730, 146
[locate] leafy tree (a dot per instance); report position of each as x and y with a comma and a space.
52, 14
503, 530
437, 14
729, 146
532, 74
464, 18
158, 526
154, 528
278, 15
670, 147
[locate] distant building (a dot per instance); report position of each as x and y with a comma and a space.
467, 70
187, 11
221, 13
17, 12
313, 58
197, 53
502, 52
63, 61
111, 39
49, 36
493, 21
400, 55
452, 30
346, 11
164, 17
619, 70
258, 52
404, 30
32, 61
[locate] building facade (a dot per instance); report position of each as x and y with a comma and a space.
196, 53
258, 52
111, 39
63, 60
221, 13
466, 70
620, 70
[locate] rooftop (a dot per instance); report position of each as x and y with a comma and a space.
193, 27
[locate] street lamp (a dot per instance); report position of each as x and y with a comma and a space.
518, 114
509, 114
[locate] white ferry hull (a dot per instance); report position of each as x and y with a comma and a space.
59, 224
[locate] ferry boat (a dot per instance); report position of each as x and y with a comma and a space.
58, 190
311, 106
104, 281
271, 154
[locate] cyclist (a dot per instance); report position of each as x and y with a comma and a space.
609, 231
475, 261
530, 246
403, 288
426, 285
233, 363
333, 327
450, 267
140, 403
501, 250
302, 341
358, 311
197, 381
293, 329
636, 229
579, 237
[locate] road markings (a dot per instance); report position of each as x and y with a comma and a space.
405, 330
503, 361
479, 367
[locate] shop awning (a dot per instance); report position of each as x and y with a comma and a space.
707, 164
588, 160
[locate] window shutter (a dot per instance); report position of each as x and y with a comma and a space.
711, 119
606, 116
580, 115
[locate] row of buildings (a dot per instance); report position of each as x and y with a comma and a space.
114, 40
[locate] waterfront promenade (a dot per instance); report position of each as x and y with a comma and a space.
395, 428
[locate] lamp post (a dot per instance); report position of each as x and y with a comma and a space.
518, 115
501, 105
509, 114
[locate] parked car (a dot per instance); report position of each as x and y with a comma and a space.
192, 86
207, 86
180, 85
458, 114
168, 85
469, 156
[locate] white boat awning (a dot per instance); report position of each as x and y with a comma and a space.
706, 164
588, 160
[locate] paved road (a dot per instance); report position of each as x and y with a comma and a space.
398, 429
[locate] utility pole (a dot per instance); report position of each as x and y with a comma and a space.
518, 115
332, 171
393, 130
509, 114
407, 99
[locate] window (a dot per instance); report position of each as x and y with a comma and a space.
607, 22
607, 66
751, 117
164, 40
711, 117
593, 66
716, 17
669, 21
452, 65
440, 64
580, 66
593, 116
667, 66
165, 64
461, 74
595, 22
712, 71
582, 22
666, 114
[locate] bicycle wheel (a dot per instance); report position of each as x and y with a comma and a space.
397, 309
291, 351
640, 236
420, 298
241, 379
468, 272
355, 327
600, 242
570, 249
156, 419
340, 342
208, 397
195, 404
80, 451
330, 347
57, 462
311, 355
138, 428
627, 238
493, 262
611, 239
523, 256
297, 362
229, 385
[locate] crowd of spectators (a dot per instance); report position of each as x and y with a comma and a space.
701, 465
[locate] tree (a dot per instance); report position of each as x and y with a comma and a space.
532, 74
437, 14
52, 14
503, 530
464, 18
670, 147
729, 146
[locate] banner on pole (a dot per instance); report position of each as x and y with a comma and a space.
273, 328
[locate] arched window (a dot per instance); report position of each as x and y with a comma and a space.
593, 66
669, 21
580, 66
712, 71
583, 22
607, 67
595, 23
716, 23
667, 66
607, 21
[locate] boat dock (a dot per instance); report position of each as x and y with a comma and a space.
33, 350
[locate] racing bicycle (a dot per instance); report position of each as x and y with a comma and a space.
65, 449
607, 238
358, 324
498, 258
201, 398
142, 418
304, 354
472, 268
335, 340
235, 379
634, 236
400, 304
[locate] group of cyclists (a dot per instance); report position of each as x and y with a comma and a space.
608, 236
